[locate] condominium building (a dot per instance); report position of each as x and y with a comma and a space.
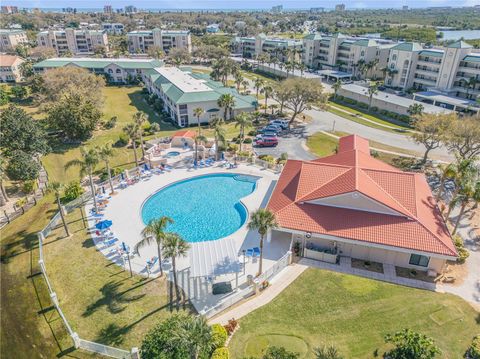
345, 53
340, 7
10, 68
76, 42
182, 92
9, 39
9, 9
107, 9
140, 41
115, 28
282, 49
453, 70
115, 70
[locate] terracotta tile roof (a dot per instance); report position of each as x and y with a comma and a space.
185, 133
411, 219
8, 60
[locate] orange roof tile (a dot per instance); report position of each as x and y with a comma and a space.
415, 223
185, 133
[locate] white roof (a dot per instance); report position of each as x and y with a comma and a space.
213, 258
451, 100
183, 80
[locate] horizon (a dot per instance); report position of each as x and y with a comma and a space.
237, 5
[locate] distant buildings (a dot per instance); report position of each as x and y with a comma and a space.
115, 28
340, 7
9, 39
130, 9
317, 9
405, 7
10, 68
277, 9
107, 9
212, 28
140, 41
76, 42
9, 9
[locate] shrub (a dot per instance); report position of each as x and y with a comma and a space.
473, 351
463, 253
362, 105
374, 109
72, 190
110, 123
247, 140
22, 167
340, 98
230, 327
244, 154
113, 172
29, 187
122, 140
21, 202
155, 127
219, 335
221, 353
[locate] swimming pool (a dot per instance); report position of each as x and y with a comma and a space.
204, 208
172, 154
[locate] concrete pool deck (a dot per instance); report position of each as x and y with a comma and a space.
124, 210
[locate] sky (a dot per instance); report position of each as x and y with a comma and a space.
236, 4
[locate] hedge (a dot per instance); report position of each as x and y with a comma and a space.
219, 335
221, 353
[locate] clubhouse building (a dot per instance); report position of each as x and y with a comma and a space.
353, 205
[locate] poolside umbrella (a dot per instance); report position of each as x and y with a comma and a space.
145, 167
103, 224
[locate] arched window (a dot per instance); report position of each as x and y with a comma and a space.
110, 71
394, 57
406, 63
362, 53
118, 71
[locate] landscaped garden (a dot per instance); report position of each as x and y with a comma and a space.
353, 314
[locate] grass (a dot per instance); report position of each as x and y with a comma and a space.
321, 144
352, 117
99, 299
354, 314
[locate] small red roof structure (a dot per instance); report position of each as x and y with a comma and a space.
354, 196
185, 133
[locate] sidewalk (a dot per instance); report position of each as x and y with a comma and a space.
277, 285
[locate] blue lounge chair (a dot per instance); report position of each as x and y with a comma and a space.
110, 242
256, 252
151, 263
249, 253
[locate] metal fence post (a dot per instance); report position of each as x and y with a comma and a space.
135, 353
76, 340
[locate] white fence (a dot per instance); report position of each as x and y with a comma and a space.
276, 268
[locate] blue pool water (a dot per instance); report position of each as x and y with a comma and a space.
204, 207
172, 154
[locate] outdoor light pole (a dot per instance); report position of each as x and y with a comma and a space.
125, 249
243, 262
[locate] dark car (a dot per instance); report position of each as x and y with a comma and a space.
382, 88
267, 142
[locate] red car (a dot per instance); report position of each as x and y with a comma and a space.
267, 142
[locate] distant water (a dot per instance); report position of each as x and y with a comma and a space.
458, 34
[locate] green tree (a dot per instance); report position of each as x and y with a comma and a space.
238, 79
175, 246
199, 139
447, 172
179, 56
3, 177
411, 345
87, 165
469, 192
262, 220
22, 166
132, 131
57, 189
227, 102
415, 109
258, 84
274, 352
77, 116
465, 173
336, 86
327, 352
300, 94
196, 336
105, 153
431, 131
372, 90
464, 136
19, 92
139, 118
243, 120
26, 69
198, 112
19, 131
267, 91
154, 232
4, 98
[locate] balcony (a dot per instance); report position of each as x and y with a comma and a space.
425, 81
429, 62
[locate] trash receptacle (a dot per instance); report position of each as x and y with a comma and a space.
249, 279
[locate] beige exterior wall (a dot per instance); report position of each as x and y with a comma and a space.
74, 41
11, 73
10, 39
141, 41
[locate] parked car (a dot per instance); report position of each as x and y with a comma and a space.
270, 128
267, 142
382, 88
283, 124
347, 82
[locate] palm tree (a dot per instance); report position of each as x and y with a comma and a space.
469, 192
262, 220
245, 85
325, 352
105, 153
372, 90
336, 86
219, 133
258, 83
267, 91
198, 112
198, 139
449, 171
139, 118
175, 246
154, 232
227, 101
132, 131
56, 188
87, 166
466, 173
243, 120
272, 107
238, 79
196, 335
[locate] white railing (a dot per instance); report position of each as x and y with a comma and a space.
276, 268
103, 349
229, 301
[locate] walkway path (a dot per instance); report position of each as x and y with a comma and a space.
278, 284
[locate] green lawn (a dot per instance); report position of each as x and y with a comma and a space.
354, 314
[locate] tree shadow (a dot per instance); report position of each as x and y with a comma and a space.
112, 334
112, 299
